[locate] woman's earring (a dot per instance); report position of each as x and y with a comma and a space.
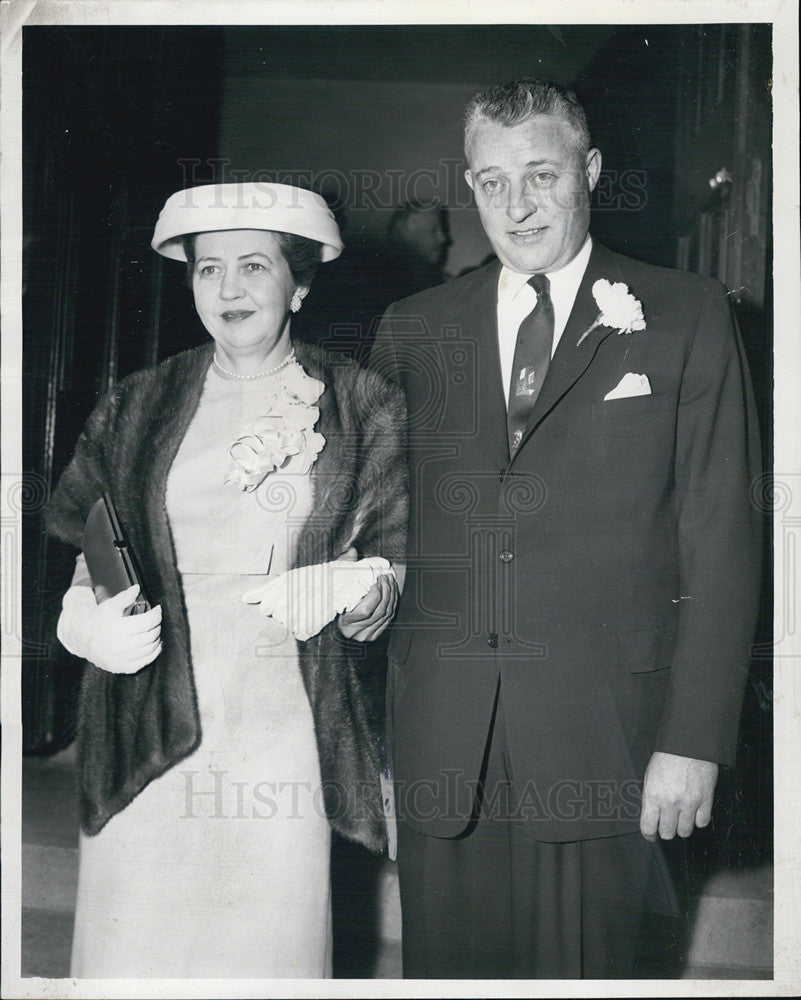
294, 305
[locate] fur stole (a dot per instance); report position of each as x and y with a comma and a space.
133, 728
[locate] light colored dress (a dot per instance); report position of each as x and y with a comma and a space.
220, 868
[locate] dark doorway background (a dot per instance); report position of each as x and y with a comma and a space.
116, 118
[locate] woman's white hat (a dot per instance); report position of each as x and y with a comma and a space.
277, 207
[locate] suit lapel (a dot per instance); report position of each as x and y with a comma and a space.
477, 315
569, 361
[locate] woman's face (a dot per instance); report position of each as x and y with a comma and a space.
243, 287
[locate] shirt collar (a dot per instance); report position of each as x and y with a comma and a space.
565, 280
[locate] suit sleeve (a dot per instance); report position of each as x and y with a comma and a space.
384, 354
382, 479
719, 540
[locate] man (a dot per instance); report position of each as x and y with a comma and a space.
568, 660
417, 244
421, 229
346, 302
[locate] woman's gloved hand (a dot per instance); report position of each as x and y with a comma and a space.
102, 634
307, 598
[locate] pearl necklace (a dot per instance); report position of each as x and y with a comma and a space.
250, 378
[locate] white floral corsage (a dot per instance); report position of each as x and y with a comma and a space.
619, 309
283, 435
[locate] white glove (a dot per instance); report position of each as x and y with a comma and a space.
102, 634
308, 598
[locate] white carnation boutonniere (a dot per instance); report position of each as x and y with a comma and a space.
619, 310
283, 435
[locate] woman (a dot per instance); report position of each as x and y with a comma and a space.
216, 750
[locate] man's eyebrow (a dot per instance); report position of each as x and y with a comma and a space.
531, 163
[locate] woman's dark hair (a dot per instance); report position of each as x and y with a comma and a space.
301, 254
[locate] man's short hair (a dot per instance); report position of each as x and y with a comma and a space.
516, 102
402, 215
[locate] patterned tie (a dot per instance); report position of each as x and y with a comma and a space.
532, 357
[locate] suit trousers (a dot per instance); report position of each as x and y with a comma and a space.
497, 903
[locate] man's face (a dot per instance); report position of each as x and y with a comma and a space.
532, 190
422, 233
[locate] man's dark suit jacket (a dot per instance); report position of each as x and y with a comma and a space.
608, 574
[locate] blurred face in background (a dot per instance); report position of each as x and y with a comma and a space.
532, 186
423, 234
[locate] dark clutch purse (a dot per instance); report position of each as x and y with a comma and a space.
110, 558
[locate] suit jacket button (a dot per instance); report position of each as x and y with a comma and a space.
492, 640
507, 556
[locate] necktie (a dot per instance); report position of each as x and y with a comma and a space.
531, 360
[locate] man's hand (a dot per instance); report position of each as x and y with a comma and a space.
677, 795
375, 610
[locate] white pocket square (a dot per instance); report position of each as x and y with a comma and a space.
630, 385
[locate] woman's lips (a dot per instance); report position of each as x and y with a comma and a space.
236, 315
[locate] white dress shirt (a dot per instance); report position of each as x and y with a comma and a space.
516, 299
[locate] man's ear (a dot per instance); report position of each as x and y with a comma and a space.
593, 168
468, 176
